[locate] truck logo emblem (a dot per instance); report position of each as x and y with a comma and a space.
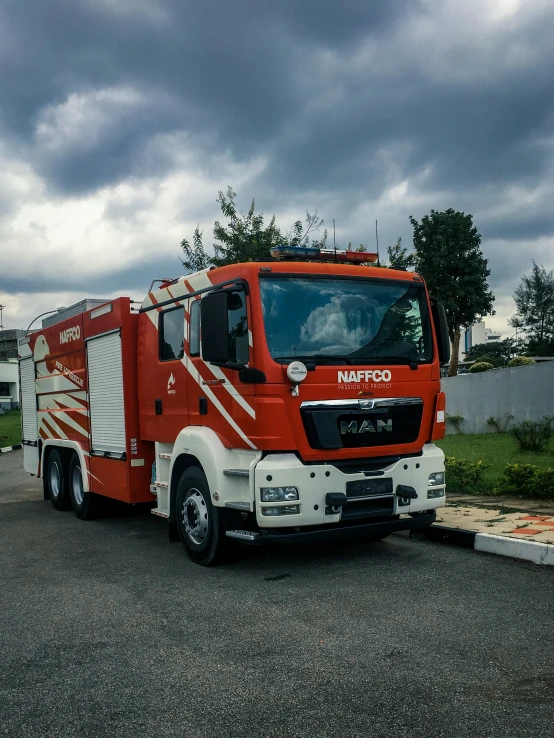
366, 427
365, 375
170, 383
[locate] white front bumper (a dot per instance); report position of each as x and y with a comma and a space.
315, 481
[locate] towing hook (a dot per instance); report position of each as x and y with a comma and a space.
406, 492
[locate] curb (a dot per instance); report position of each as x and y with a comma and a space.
515, 548
7, 449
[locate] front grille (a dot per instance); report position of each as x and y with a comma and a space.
335, 427
373, 508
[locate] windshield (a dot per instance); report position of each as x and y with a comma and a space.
346, 320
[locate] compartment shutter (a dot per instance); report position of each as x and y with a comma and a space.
106, 405
28, 399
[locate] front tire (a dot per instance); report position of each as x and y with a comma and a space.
200, 524
56, 480
85, 504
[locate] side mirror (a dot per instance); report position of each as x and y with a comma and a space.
215, 327
441, 331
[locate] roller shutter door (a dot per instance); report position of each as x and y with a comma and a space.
105, 382
28, 399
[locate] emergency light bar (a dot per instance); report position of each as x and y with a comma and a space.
310, 252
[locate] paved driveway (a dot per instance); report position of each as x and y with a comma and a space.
106, 629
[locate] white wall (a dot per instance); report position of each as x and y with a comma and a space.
9, 372
526, 392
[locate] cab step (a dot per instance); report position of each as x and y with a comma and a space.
246, 536
236, 472
242, 505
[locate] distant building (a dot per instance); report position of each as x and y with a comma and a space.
9, 370
477, 333
8, 343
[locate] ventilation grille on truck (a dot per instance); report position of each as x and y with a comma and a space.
69, 312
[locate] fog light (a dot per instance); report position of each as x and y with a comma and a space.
281, 510
432, 494
278, 494
271, 511
436, 479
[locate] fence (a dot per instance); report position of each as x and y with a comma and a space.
526, 392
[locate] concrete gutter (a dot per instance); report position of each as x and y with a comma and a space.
518, 534
7, 449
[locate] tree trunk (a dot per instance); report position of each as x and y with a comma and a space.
453, 368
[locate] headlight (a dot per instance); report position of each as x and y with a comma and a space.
282, 510
279, 494
432, 494
436, 479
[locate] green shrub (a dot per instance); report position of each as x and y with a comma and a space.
456, 421
500, 424
466, 477
526, 480
532, 435
480, 366
521, 361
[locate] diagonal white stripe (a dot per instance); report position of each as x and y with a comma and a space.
198, 379
231, 389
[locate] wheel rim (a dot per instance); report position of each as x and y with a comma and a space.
77, 483
195, 517
55, 480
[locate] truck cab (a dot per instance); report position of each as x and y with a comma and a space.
292, 401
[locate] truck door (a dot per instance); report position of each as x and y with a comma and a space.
171, 391
219, 395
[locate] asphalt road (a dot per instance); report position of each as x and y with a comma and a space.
106, 629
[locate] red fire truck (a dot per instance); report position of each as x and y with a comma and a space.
293, 399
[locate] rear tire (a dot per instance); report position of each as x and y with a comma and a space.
201, 526
56, 480
85, 504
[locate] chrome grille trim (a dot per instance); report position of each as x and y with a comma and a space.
360, 404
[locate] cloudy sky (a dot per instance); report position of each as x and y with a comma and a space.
121, 119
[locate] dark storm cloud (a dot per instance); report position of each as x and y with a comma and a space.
342, 100
245, 75
133, 281
236, 70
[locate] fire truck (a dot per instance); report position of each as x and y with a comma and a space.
293, 399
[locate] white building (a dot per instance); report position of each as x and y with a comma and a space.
477, 333
9, 384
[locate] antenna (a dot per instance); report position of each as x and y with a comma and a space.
1, 317
377, 239
334, 240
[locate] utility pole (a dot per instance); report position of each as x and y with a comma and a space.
1, 317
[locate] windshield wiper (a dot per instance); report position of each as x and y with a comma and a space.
316, 358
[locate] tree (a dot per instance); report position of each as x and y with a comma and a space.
448, 255
196, 258
497, 353
399, 258
299, 235
244, 238
534, 299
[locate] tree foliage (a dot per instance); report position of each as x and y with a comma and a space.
480, 366
245, 237
399, 258
496, 353
196, 258
448, 255
534, 299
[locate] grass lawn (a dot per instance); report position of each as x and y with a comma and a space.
10, 428
496, 449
